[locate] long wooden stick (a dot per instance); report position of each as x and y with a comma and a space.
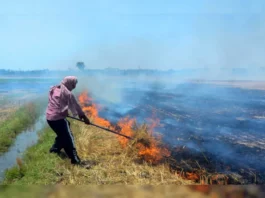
106, 129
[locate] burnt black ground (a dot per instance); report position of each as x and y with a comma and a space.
223, 123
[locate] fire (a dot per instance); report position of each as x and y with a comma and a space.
84, 98
91, 110
151, 153
192, 176
126, 129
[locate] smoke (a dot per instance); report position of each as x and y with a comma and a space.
207, 46
212, 118
101, 87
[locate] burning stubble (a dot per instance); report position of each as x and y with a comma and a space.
149, 148
203, 118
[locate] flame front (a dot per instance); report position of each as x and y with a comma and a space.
91, 110
125, 124
151, 153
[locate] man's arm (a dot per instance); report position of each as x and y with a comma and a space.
79, 110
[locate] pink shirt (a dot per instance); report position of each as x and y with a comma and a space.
53, 111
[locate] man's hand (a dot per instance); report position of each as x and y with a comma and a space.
86, 120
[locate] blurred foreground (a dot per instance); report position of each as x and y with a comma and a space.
59, 191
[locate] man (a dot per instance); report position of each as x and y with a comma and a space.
61, 99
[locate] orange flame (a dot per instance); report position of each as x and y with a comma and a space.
84, 98
192, 176
152, 154
91, 110
126, 129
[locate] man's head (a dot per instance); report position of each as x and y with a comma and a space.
70, 82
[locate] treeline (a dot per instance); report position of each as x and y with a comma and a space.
107, 71
8, 72
126, 72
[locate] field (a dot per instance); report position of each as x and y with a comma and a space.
208, 127
213, 132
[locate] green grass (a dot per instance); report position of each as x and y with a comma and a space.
17, 122
114, 165
38, 165
15, 191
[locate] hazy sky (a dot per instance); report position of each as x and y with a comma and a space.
164, 34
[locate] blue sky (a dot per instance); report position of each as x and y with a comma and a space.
167, 34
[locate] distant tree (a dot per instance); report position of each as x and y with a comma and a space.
80, 65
